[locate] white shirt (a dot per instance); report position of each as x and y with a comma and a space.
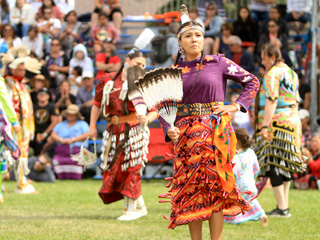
260, 7
35, 45
299, 6
25, 13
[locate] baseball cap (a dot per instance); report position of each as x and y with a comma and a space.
87, 74
43, 90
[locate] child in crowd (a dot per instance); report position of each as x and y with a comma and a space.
246, 168
102, 31
75, 80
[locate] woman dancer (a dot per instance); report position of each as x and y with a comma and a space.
246, 168
277, 140
203, 180
124, 142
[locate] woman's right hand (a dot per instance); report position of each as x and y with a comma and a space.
93, 133
173, 134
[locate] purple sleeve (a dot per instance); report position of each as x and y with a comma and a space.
248, 81
165, 127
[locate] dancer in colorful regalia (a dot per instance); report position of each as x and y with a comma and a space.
203, 183
7, 119
278, 135
125, 142
22, 106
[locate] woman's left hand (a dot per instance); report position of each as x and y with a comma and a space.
224, 109
143, 119
264, 133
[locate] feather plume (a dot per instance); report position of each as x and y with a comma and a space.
144, 39
184, 14
133, 93
162, 90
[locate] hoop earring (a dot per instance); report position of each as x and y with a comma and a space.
126, 65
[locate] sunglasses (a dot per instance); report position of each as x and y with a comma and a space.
210, 8
47, 12
55, 44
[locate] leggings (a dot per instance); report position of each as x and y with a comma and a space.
276, 180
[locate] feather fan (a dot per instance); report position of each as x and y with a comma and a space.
162, 90
184, 14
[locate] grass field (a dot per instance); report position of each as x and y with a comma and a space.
73, 210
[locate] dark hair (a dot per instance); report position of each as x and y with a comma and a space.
5, 6
14, 35
68, 14
229, 26
78, 69
102, 13
33, 54
33, 28
43, 6
276, 7
243, 138
275, 22
65, 81
55, 39
249, 19
271, 50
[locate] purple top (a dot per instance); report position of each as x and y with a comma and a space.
211, 83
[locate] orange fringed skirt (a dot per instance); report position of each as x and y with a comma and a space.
203, 181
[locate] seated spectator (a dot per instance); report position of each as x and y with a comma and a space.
260, 9
75, 80
69, 135
273, 32
46, 117
239, 55
5, 11
107, 61
52, 5
305, 126
298, 13
69, 33
112, 9
37, 82
21, 17
102, 31
284, 54
246, 28
57, 63
221, 44
249, 126
34, 41
80, 58
309, 179
305, 93
172, 45
64, 98
212, 23
40, 169
274, 14
194, 15
85, 95
238, 118
8, 39
49, 27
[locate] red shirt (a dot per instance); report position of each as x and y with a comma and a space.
237, 57
101, 57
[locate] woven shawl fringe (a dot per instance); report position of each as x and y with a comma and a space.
135, 149
282, 152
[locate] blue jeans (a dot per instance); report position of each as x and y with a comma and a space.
21, 31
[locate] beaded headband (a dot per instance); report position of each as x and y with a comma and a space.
190, 27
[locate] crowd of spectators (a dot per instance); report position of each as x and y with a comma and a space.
75, 54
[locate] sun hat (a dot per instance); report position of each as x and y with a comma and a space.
72, 109
41, 78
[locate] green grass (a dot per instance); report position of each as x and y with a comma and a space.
73, 210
